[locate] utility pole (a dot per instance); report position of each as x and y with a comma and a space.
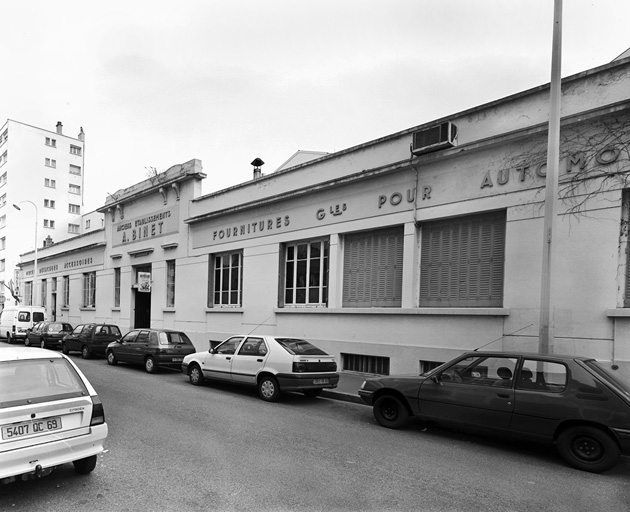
545, 343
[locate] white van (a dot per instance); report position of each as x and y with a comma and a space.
16, 320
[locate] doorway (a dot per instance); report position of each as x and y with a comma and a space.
142, 297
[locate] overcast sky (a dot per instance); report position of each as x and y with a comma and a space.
157, 83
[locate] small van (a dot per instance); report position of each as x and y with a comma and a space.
15, 321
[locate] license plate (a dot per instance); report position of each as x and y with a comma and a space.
320, 381
178, 359
27, 428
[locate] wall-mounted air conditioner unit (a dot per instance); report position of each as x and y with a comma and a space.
440, 136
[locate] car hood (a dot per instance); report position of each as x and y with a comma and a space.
393, 381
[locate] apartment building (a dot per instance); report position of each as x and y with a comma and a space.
42, 174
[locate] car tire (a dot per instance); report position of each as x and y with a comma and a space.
150, 365
391, 412
42, 343
27, 342
312, 393
111, 358
85, 352
85, 466
64, 349
195, 375
268, 388
588, 448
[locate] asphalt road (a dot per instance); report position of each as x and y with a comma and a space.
176, 447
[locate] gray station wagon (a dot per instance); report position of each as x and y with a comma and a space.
577, 403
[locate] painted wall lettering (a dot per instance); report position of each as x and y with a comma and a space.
257, 226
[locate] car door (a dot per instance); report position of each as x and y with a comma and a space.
218, 362
541, 397
124, 349
73, 341
249, 360
34, 335
476, 390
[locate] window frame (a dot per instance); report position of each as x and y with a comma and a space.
170, 283
215, 288
89, 289
290, 291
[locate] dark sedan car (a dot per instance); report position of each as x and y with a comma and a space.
90, 339
47, 334
575, 402
153, 348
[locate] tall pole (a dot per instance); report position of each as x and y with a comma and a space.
545, 343
34, 302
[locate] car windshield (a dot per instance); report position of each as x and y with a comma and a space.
604, 372
38, 380
300, 347
174, 338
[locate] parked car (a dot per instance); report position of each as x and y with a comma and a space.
153, 348
272, 363
47, 334
90, 339
575, 402
49, 415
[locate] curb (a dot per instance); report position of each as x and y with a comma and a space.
343, 397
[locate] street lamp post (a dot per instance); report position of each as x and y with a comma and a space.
35, 259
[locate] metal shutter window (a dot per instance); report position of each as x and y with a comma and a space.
372, 268
462, 261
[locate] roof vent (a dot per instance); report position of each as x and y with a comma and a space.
440, 136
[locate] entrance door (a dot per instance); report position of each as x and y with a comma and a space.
142, 300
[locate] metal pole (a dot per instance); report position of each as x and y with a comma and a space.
545, 343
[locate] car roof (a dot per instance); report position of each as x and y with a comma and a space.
534, 355
15, 353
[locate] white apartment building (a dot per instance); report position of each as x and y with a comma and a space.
42, 173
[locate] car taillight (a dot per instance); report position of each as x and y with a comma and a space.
299, 367
98, 413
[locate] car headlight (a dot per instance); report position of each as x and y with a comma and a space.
363, 385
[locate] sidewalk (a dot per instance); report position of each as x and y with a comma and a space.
348, 388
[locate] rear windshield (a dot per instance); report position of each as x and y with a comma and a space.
300, 347
607, 374
58, 327
107, 330
38, 316
38, 380
174, 338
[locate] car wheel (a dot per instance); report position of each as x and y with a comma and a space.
195, 375
42, 343
312, 393
588, 448
85, 466
390, 412
268, 388
111, 358
27, 342
150, 365
85, 352
64, 349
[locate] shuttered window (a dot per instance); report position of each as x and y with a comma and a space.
462, 261
372, 268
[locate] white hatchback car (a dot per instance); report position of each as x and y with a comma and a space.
272, 363
49, 415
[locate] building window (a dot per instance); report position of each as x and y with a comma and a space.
75, 169
65, 302
74, 208
49, 223
28, 293
3, 243
461, 261
87, 224
117, 287
75, 229
306, 273
49, 203
51, 142
75, 150
170, 284
3, 221
3, 158
74, 189
3, 179
2, 264
89, 290
44, 292
50, 183
49, 162
4, 136
372, 268
226, 273
3, 199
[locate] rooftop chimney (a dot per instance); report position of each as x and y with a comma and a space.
81, 136
257, 163
59, 128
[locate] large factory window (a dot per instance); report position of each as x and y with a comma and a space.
225, 280
305, 273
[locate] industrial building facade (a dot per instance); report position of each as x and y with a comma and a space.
394, 255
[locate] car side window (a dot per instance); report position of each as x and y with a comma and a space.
229, 346
153, 338
253, 347
546, 376
482, 371
130, 337
143, 337
24, 316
